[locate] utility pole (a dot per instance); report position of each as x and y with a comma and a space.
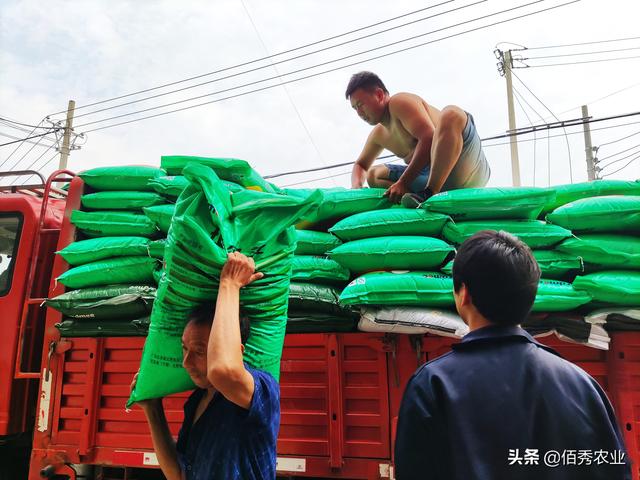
64, 151
505, 65
588, 148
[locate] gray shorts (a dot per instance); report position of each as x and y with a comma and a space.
471, 169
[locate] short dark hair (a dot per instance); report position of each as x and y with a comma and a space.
500, 274
365, 80
203, 315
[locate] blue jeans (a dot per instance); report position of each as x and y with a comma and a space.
471, 170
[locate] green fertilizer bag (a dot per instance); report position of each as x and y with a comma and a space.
314, 243
392, 253
557, 264
307, 268
120, 178
557, 296
339, 203
613, 213
210, 222
613, 287
120, 200
605, 252
71, 327
427, 289
230, 169
534, 233
393, 221
113, 224
171, 186
129, 270
575, 191
309, 297
553, 264
94, 249
157, 247
113, 302
488, 203
161, 216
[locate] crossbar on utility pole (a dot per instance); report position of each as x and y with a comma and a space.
68, 127
588, 148
513, 143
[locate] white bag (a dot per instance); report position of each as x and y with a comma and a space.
412, 321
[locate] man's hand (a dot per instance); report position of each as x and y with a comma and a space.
145, 404
396, 191
239, 271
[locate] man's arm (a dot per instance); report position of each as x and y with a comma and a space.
163, 443
370, 152
225, 368
416, 121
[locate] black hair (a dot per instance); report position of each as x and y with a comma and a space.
203, 315
366, 80
501, 276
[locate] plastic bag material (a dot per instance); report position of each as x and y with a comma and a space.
121, 200
575, 191
311, 297
156, 248
605, 252
390, 222
429, 289
307, 268
319, 322
125, 270
94, 249
558, 265
489, 203
447, 269
413, 321
171, 186
613, 213
534, 233
130, 178
339, 203
314, 243
557, 296
103, 328
230, 169
392, 253
113, 224
208, 223
111, 302
613, 287
161, 216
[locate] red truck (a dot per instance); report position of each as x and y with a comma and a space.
62, 413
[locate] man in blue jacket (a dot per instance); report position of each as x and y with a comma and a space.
500, 405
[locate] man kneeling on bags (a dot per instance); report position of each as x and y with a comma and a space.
231, 420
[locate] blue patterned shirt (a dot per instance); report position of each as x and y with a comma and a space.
229, 442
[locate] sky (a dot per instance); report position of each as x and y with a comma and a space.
91, 51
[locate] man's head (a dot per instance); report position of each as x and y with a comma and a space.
495, 275
195, 340
368, 96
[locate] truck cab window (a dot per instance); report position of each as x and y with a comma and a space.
10, 226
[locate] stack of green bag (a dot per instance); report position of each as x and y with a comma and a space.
316, 279
607, 238
111, 282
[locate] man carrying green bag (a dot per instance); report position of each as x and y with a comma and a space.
231, 420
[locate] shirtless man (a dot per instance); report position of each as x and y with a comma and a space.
441, 149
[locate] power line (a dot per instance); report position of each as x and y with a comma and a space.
29, 138
34, 162
622, 168
13, 137
619, 139
344, 164
301, 47
279, 77
578, 63
25, 124
621, 158
554, 115
577, 44
583, 53
618, 153
330, 176
341, 67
